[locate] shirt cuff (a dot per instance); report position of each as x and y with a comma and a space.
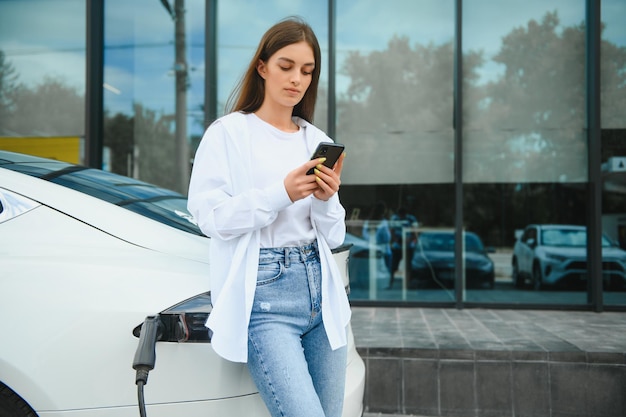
277, 196
321, 205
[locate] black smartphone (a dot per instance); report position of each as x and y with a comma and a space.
329, 150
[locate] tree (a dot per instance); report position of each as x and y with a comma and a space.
155, 148
402, 88
119, 138
397, 113
613, 85
8, 84
51, 108
532, 126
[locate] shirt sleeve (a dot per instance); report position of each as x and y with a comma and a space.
328, 217
217, 200
329, 220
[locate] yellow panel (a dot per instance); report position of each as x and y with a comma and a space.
61, 148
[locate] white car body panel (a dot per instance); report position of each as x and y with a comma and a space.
52, 335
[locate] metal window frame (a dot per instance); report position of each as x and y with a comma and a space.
594, 189
94, 120
94, 81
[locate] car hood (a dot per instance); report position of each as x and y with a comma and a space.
581, 252
446, 256
109, 218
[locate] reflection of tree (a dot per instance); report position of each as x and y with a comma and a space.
119, 138
543, 85
397, 113
143, 146
8, 80
536, 110
51, 108
526, 126
156, 148
401, 88
613, 85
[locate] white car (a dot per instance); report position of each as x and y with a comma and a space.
555, 255
85, 257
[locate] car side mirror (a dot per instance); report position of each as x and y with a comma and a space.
531, 242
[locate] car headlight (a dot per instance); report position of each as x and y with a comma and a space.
485, 265
184, 322
481, 264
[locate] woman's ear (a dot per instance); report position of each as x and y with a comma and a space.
261, 68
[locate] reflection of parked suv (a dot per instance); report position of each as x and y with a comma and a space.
551, 255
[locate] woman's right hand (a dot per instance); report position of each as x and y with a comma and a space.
300, 185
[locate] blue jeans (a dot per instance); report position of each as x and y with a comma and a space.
289, 356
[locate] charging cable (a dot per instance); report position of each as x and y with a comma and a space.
145, 356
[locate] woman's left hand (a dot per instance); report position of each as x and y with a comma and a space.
328, 180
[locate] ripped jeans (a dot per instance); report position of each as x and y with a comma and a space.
289, 356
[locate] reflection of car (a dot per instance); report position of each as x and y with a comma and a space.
433, 261
556, 255
85, 257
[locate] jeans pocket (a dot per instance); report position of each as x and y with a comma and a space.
269, 273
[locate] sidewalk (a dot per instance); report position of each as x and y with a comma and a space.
482, 362
389, 415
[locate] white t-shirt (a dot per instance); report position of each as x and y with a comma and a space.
276, 153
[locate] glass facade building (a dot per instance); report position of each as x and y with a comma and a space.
485, 141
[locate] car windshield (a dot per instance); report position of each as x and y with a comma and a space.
568, 238
160, 204
445, 242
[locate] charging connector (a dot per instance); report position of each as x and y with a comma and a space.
145, 356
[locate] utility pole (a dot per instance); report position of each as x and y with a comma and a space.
180, 69
183, 159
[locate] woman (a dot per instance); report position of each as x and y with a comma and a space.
279, 303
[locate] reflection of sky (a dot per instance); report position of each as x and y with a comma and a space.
239, 34
37, 45
486, 22
140, 55
140, 34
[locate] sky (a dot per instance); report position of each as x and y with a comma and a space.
139, 36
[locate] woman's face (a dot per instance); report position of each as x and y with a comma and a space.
287, 74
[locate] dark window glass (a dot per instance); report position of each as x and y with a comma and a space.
394, 114
160, 204
613, 138
524, 139
153, 88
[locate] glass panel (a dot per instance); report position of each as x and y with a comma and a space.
524, 150
153, 88
238, 39
42, 77
613, 94
394, 114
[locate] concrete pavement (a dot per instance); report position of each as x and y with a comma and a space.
489, 362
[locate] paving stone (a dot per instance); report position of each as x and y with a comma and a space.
492, 363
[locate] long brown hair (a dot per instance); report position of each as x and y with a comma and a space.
249, 94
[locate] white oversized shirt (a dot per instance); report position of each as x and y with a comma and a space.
232, 212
